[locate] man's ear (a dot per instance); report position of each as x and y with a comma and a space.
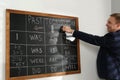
118, 25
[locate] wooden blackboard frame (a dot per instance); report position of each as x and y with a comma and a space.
8, 12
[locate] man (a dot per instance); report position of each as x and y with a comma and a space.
108, 60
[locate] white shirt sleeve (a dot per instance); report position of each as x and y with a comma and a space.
69, 36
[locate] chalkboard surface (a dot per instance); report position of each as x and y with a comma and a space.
37, 48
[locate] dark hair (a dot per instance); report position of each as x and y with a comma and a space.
116, 16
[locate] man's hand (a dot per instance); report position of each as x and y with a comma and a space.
67, 29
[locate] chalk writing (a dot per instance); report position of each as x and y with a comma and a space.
67, 52
36, 50
33, 61
34, 20
53, 69
37, 27
71, 67
35, 37
18, 64
52, 59
18, 61
17, 50
16, 36
36, 70
53, 50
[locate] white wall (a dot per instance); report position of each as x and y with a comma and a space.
92, 19
115, 6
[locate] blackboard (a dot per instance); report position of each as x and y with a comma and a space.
36, 47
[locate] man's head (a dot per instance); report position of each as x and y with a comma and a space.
113, 23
